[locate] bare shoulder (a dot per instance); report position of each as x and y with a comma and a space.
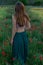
27, 23
27, 17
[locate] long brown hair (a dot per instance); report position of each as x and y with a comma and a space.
20, 14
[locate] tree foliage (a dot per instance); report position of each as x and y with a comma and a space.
26, 2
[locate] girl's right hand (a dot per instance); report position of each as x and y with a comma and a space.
11, 41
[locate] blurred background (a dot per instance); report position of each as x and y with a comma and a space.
34, 8
26, 2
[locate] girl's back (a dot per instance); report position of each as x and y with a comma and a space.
22, 28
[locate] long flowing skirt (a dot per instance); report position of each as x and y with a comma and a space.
20, 46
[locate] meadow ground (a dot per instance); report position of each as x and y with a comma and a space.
35, 35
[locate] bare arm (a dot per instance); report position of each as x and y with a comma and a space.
28, 25
13, 27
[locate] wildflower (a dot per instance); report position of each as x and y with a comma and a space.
41, 58
34, 56
5, 43
12, 58
3, 53
30, 39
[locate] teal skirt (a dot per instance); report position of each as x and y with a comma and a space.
20, 45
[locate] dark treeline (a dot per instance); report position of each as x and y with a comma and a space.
26, 2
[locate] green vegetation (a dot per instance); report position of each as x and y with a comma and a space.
26, 2
35, 36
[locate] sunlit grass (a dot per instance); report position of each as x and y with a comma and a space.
38, 12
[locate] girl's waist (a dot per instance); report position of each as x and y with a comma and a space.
20, 30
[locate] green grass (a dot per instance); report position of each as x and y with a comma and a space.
35, 35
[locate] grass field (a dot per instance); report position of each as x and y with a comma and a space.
35, 35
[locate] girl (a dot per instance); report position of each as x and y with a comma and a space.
19, 41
